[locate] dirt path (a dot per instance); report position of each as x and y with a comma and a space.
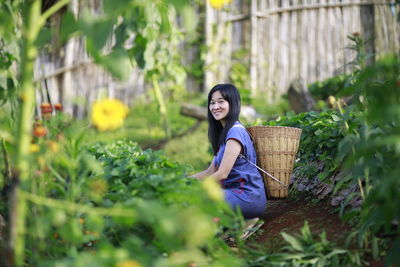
288, 215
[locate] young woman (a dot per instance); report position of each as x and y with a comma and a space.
241, 181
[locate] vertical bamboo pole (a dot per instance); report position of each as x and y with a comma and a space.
304, 31
329, 39
272, 55
312, 43
321, 43
70, 49
284, 49
293, 45
345, 33
335, 22
262, 48
367, 30
253, 47
209, 39
385, 32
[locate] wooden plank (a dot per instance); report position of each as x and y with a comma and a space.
312, 42
273, 62
346, 17
320, 43
303, 42
262, 49
294, 44
367, 30
334, 21
208, 32
284, 49
329, 39
253, 47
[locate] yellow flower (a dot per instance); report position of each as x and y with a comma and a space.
108, 114
128, 263
213, 189
33, 148
217, 4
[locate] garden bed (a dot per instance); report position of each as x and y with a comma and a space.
288, 215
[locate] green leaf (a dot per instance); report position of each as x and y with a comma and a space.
118, 64
190, 19
293, 241
318, 132
69, 26
137, 52
44, 37
335, 118
97, 31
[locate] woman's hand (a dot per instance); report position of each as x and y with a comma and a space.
210, 170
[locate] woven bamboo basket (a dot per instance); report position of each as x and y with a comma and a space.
276, 148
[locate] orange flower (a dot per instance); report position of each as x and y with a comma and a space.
46, 110
40, 131
58, 107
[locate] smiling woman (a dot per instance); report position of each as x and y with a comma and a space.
241, 182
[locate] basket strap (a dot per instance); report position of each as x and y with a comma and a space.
264, 171
255, 165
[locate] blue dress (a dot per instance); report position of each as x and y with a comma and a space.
244, 186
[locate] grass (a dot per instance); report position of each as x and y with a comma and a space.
192, 149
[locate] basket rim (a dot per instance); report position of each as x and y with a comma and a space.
267, 126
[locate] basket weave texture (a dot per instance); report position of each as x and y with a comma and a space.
276, 148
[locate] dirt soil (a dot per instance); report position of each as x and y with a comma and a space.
288, 215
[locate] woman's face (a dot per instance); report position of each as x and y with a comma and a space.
219, 107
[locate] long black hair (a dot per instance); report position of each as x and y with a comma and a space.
216, 132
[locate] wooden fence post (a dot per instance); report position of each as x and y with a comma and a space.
208, 39
66, 85
253, 47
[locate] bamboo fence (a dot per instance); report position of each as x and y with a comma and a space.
284, 40
291, 39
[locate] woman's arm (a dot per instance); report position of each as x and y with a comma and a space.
232, 151
211, 169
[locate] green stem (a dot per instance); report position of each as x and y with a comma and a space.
31, 28
361, 189
53, 9
26, 95
163, 108
73, 207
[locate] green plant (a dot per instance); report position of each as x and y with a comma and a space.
23, 22
330, 87
306, 250
373, 152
